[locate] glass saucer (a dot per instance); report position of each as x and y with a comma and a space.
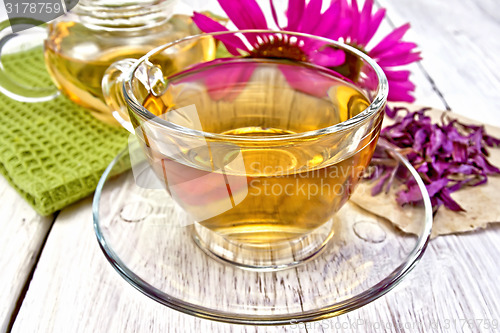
148, 240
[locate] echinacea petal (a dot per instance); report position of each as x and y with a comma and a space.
355, 17
436, 186
228, 83
364, 22
275, 15
311, 16
412, 194
420, 139
400, 48
374, 25
380, 184
344, 6
390, 40
402, 85
294, 14
448, 156
449, 202
245, 14
232, 42
256, 14
399, 95
233, 11
402, 75
329, 20
333, 23
399, 60
328, 57
303, 80
436, 141
342, 28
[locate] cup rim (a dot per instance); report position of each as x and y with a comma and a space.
376, 105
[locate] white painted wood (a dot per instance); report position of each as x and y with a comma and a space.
454, 288
461, 50
74, 289
425, 92
22, 235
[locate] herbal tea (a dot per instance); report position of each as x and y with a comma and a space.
266, 191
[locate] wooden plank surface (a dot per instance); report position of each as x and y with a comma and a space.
453, 288
460, 49
22, 235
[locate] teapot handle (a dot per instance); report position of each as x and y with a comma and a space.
8, 86
112, 89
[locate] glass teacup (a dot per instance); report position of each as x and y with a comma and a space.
261, 144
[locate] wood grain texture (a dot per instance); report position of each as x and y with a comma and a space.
75, 289
425, 92
461, 51
454, 288
21, 239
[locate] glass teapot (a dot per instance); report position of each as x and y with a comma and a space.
80, 45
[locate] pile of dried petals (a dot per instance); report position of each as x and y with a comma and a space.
448, 157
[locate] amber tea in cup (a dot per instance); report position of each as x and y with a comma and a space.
290, 192
260, 152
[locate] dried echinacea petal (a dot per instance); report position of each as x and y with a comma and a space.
448, 157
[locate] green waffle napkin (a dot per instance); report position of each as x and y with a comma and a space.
54, 152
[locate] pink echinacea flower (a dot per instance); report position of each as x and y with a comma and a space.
342, 20
390, 53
